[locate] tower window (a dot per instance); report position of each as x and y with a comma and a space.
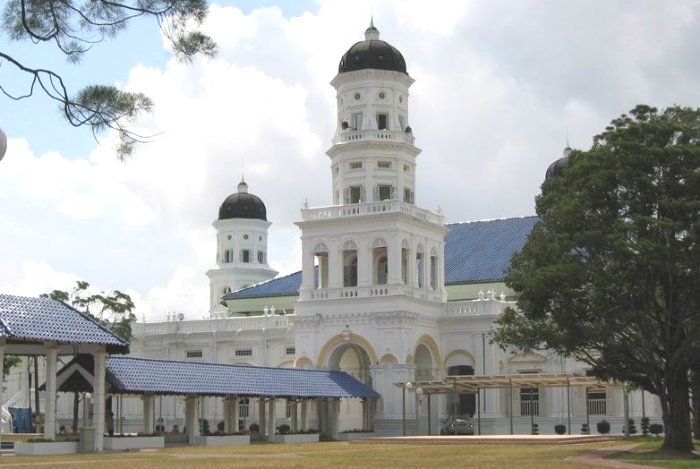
408, 196
354, 195
402, 122
290, 350
243, 352
193, 354
245, 255
384, 164
384, 192
261, 257
228, 256
382, 120
356, 165
356, 120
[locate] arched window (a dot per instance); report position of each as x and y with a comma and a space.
350, 264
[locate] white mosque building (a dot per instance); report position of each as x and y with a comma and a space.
387, 292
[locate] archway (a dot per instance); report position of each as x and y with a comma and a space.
355, 361
460, 363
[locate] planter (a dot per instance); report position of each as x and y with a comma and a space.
222, 440
352, 436
43, 448
296, 438
121, 443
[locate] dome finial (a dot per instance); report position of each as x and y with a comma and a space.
242, 186
372, 32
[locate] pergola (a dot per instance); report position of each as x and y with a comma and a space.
49, 328
474, 384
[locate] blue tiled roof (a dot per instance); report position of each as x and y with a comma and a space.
163, 377
478, 251
44, 319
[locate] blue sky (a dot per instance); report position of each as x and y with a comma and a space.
497, 86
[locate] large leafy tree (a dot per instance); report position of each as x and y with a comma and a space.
611, 273
72, 27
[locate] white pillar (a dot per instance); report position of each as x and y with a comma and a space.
294, 404
98, 387
192, 419
50, 401
271, 422
148, 413
304, 413
261, 416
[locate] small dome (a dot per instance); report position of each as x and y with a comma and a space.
372, 53
243, 205
557, 168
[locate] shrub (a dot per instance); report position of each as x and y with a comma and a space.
535, 429
220, 427
560, 429
204, 426
283, 429
603, 427
656, 429
632, 428
645, 426
254, 428
585, 430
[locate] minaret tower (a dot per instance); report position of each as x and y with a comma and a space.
372, 285
241, 245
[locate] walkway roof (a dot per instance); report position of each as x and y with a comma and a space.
27, 324
130, 375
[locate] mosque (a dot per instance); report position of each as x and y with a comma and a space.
387, 292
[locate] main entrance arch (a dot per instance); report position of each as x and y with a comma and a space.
354, 355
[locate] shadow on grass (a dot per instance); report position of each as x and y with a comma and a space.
649, 452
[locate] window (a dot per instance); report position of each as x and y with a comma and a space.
384, 164
433, 272
261, 257
243, 352
356, 165
597, 401
193, 354
402, 122
384, 192
356, 121
408, 196
290, 350
228, 256
355, 194
529, 401
382, 120
244, 407
245, 255
350, 268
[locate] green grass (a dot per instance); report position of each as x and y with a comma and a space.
336, 455
648, 453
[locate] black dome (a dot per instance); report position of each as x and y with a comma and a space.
557, 168
243, 205
372, 53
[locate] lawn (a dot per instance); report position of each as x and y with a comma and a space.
338, 455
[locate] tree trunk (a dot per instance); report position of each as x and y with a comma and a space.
676, 413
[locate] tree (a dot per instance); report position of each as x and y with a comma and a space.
611, 273
113, 310
73, 27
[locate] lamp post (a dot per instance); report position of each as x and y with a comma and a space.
407, 385
419, 399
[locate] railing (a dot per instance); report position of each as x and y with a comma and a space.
371, 208
597, 406
485, 307
375, 134
209, 325
369, 292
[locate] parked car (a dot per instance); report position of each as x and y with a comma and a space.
457, 426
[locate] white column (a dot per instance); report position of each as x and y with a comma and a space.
50, 401
294, 404
365, 263
307, 265
261, 416
148, 413
271, 419
304, 412
98, 388
335, 264
393, 252
192, 419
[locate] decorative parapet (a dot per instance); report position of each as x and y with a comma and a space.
238, 323
370, 292
374, 135
370, 208
481, 307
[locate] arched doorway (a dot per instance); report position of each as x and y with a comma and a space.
461, 404
355, 361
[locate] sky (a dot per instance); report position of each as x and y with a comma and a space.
501, 86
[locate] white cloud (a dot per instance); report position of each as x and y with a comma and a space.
497, 85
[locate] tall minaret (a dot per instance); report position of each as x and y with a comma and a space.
241, 245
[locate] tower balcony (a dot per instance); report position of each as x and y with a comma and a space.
370, 291
396, 136
370, 208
